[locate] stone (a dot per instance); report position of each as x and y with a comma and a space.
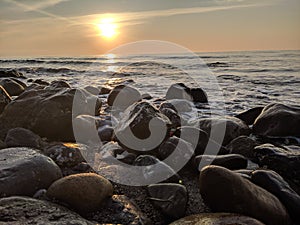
24, 210
249, 116
196, 137
11, 73
217, 219
227, 127
92, 90
64, 155
58, 84
278, 120
186, 110
24, 171
48, 113
106, 133
146, 96
142, 128
275, 184
12, 87
104, 90
84, 192
173, 117
123, 96
21, 137
119, 209
225, 191
283, 161
85, 129
170, 198
230, 161
181, 91
178, 159
41, 82
242, 145
5, 98
145, 160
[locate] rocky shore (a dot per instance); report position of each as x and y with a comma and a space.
242, 169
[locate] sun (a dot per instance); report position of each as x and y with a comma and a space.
108, 28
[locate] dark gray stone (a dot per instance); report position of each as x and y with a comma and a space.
21, 137
24, 210
278, 120
23, 171
225, 191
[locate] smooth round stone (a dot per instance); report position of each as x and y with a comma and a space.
278, 120
226, 191
84, 192
23, 210
21, 137
228, 127
24, 171
217, 219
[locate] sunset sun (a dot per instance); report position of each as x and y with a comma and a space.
108, 28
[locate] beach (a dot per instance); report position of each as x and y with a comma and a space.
151, 139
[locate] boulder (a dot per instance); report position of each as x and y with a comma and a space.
170, 198
278, 120
275, 184
181, 91
249, 116
217, 219
47, 113
227, 127
226, 191
285, 162
230, 161
24, 171
123, 96
142, 128
84, 192
4, 98
25, 210
21, 137
12, 87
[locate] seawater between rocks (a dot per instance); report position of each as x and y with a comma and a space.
246, 79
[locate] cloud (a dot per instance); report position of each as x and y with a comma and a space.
29, 5
132, 18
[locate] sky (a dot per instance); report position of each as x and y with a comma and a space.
75, 27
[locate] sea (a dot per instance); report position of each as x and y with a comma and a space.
237, 81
